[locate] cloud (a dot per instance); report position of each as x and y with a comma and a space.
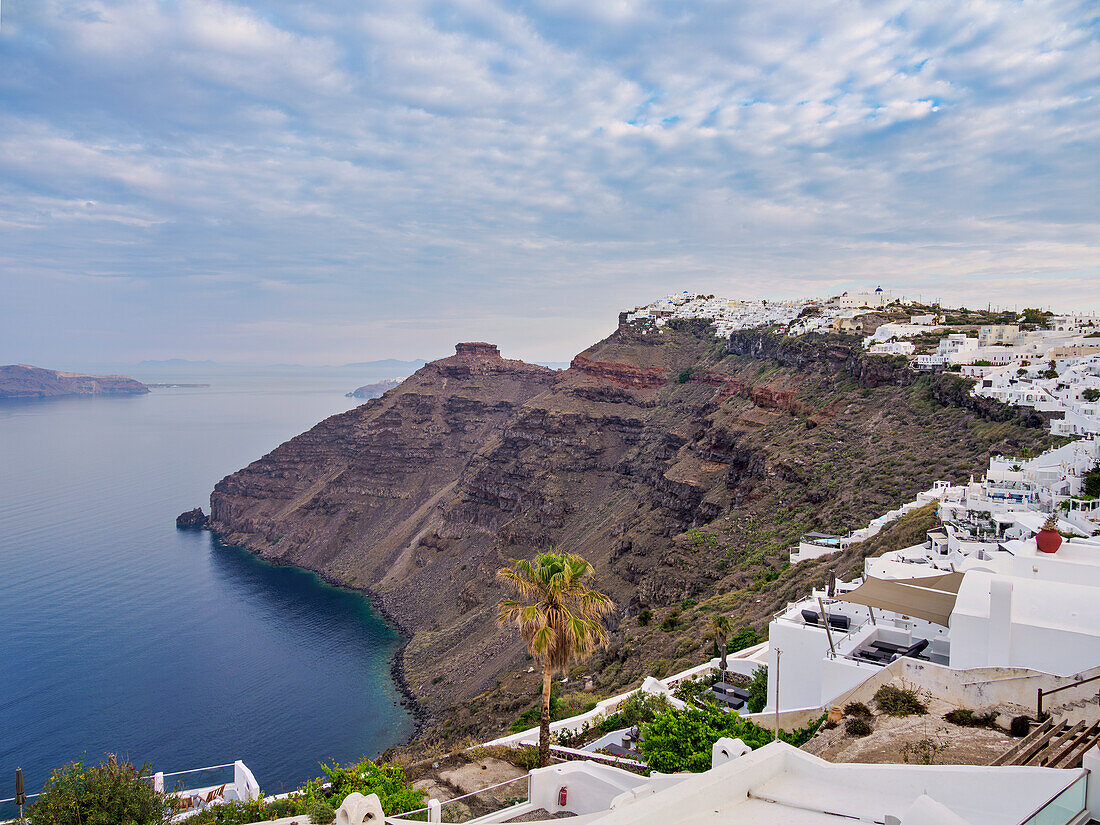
349, 167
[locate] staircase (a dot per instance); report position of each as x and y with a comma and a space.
1085, 710
1053, 744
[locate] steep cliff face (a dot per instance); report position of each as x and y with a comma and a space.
681, 465
23, 381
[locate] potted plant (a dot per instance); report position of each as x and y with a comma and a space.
1049, 539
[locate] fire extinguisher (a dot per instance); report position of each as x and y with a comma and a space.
562, 796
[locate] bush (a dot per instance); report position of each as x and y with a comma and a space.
858, 726
365, 777
680, 740
110, 793
644, 617
895, 701
241, 813
1021, 726
282, 808
321, 813
969, 719
758, 690
691, 690
318, 802
635, 709
671, 621
745, 637
857, 709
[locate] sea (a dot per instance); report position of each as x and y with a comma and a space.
121, 634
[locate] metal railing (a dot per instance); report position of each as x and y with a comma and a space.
466, 812
1040, 693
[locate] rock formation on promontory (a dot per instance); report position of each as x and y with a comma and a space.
682, 465
24, 381
378, 388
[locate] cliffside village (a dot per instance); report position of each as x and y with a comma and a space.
1044, 361
996, 610
994, 614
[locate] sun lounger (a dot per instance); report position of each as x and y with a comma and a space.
888, 647
810, 617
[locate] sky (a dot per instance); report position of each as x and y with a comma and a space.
325, 182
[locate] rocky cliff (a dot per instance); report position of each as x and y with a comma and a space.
681, 465
378, 388
23, 381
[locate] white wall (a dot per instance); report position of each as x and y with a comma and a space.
590, 787
803, 649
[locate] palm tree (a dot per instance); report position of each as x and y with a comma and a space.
720, 626
558, 617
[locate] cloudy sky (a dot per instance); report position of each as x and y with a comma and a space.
323, 182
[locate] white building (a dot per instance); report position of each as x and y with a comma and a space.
998, 334
866, 300
778, 784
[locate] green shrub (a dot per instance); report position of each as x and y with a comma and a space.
969, 719
691, 690
680, 740
858, 726
685, 375
895, 701
110, 793
857, 709
282, 808
239, 813
758, 690
635, 709
321, 813
644, 617
671, 621
745, 637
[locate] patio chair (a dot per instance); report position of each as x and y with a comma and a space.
810, 616
914, 650
840, 622
179, 804
216, 793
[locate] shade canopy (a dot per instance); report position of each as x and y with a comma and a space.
928, 597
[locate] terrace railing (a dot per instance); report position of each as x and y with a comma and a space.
1040, 693
480, 805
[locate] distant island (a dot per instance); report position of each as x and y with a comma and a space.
25, 381
173, 386
374, 390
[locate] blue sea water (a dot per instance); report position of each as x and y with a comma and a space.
120, 634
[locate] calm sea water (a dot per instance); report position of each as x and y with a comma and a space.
120, 634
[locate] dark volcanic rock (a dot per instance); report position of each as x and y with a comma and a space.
196, 519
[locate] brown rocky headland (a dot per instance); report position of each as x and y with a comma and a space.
24, 381
375, 390
680, 464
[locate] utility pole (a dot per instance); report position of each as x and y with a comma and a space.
778, 652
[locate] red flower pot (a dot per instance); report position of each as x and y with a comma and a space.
1048, 541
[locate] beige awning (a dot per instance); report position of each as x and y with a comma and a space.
929, 597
